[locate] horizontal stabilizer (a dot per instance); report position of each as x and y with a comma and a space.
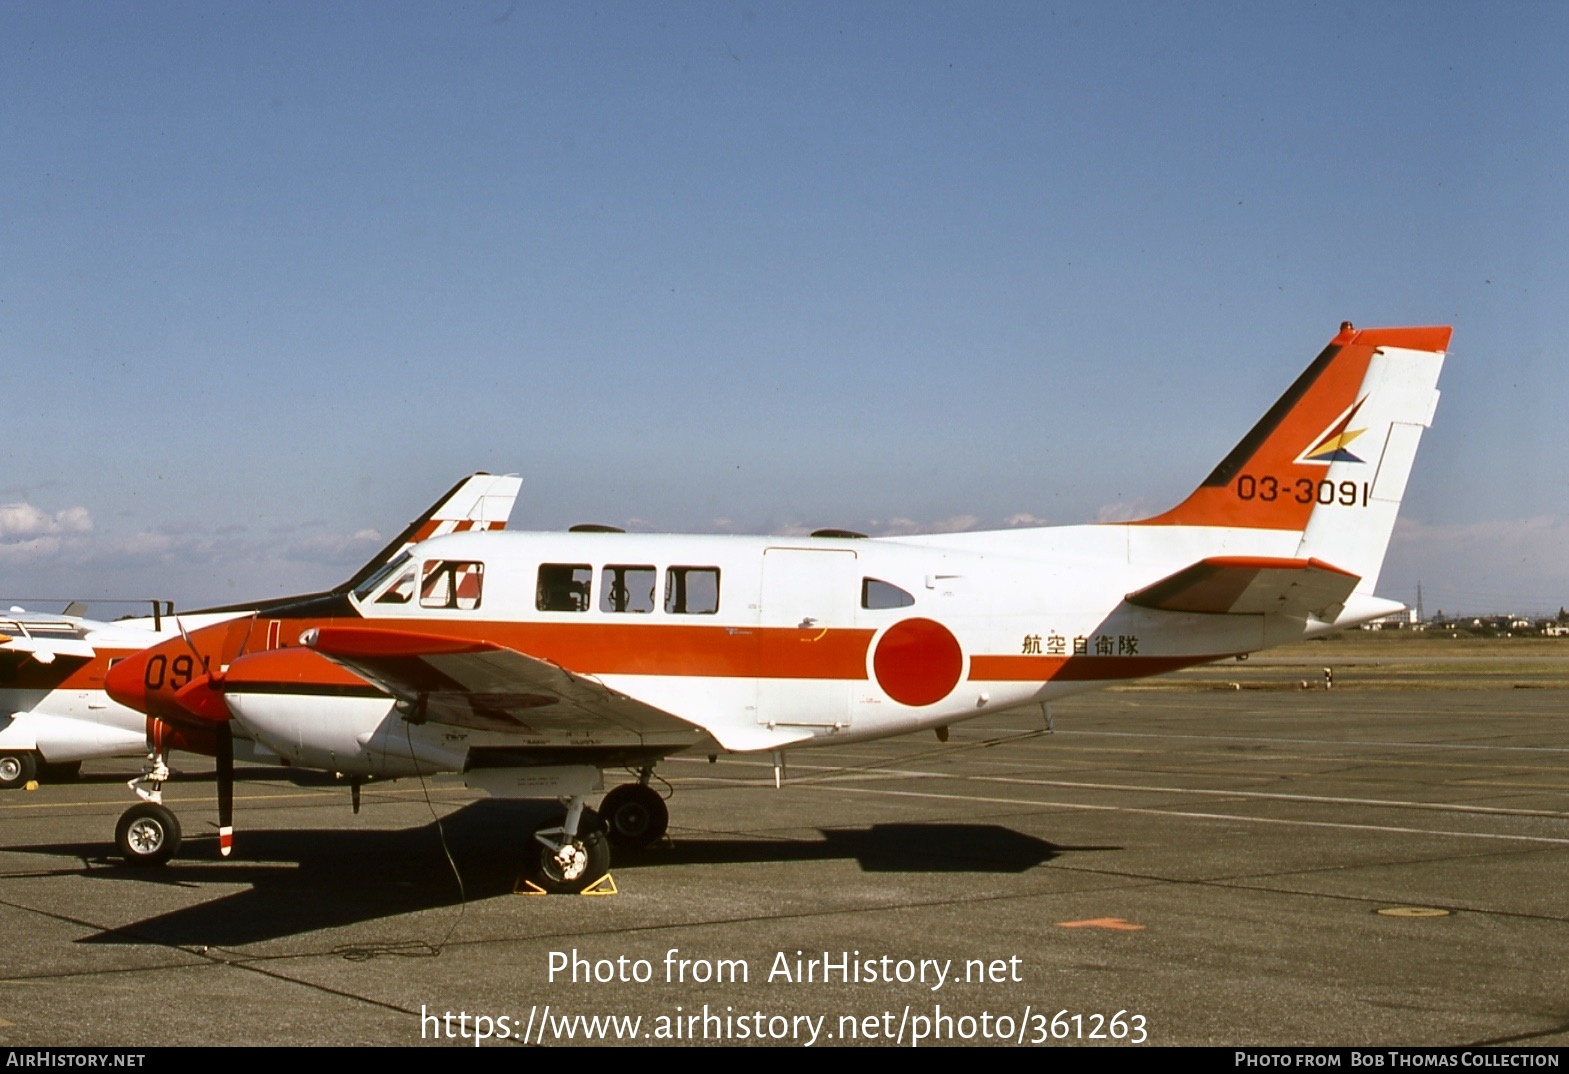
1252, 585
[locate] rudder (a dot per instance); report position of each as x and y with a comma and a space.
1358, 496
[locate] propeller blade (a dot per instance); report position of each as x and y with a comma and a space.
249, 628
189, 644
225, 789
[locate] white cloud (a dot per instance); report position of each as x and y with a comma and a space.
897, 527
25, 520
29, 551
1128, 511
333, 549
144, 548
906, 527
955, 524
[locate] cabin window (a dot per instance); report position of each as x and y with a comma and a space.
451, 583
692, 590
877, 594
627, 589
564, 587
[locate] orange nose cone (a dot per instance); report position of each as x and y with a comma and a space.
127, 681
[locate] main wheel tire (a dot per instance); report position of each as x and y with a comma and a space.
635, 816
148, 834
576, 866
17, 769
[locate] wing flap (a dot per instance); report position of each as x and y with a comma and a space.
1252, 585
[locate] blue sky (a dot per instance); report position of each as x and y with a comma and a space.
276, 275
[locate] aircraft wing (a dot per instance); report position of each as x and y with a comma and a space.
1252, 585
44, 650
490, 687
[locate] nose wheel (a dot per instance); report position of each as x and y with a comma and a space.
148, 834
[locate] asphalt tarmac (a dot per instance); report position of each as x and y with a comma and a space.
1199, 866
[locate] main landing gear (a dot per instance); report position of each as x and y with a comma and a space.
569, 853
17, 769
635, 815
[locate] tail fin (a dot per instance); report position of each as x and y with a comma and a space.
1330, 459
478, 502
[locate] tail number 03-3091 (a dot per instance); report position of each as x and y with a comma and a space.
1303, 490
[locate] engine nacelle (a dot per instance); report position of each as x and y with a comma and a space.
360, 736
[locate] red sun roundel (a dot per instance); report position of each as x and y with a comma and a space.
918, 662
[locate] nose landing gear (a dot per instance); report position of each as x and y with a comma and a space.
148, 834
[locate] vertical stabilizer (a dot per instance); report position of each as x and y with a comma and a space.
479, 502
1330, 459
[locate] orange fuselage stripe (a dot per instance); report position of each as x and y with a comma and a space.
1077, 668
696, 652
612, 649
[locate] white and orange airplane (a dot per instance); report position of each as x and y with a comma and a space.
533, 662
54, 712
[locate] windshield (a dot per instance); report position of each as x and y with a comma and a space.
371, 584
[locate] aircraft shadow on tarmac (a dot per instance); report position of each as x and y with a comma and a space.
305, 880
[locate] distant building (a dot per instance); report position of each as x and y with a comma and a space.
1401, 620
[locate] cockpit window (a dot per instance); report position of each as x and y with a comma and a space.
451, 583
564, 587
877, 594
627, 589
401, 591
369, 586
